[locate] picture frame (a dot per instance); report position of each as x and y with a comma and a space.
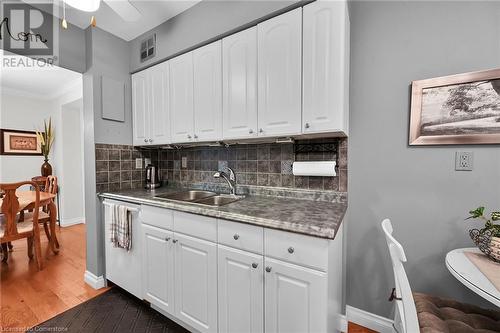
17, 142
459, 109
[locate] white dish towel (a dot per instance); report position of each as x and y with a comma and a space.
121, 226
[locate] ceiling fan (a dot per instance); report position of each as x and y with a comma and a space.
123, 8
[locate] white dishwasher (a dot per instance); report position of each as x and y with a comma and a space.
123, 267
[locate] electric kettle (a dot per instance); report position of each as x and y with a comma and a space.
152, 177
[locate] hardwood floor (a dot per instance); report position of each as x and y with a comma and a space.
353, 328
28, 296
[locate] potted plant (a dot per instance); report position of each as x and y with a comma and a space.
45, 140
487, 239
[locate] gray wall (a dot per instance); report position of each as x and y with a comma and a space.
393, 43
105, 55
206, 21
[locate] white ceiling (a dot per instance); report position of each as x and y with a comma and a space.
152, 13
44, 83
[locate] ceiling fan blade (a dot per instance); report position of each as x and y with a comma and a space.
125, 9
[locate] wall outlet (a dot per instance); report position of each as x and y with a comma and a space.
147, 161
463, 161
184, 162
138, 163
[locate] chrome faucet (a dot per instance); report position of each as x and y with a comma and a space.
230, 179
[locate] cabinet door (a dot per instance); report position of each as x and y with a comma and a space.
241, 291
325, 68
158, 108
295, 298
158, 267
208, 92
279, 68
239, 82
196, 282
181, 98
140, 116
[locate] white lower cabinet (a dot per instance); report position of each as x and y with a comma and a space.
219, 276
158, 267
295, 298
196, 282
241, 291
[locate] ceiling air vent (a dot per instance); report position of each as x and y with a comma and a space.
148, 48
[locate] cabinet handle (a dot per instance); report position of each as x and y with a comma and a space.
145, 140
189, 136
150, 140
268, 269
196, 136
167, 239
307, 125
291, 250
261, 130
250, 131
255, 265
236, 236
174, 241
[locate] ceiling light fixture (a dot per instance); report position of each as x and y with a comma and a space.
84, 5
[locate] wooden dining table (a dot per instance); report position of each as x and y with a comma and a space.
27, 202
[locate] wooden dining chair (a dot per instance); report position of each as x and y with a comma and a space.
11, 229
43, 214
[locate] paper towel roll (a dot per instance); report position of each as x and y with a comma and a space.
318, 168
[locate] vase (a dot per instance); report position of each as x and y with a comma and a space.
46, 168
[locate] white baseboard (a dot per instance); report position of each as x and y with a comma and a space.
73, 221
369, 320
96, 282
342, 323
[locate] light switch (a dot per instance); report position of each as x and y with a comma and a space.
138, 163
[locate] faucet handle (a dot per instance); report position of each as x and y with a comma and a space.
232, 175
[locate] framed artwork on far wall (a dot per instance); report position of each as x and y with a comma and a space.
456, 109
14, 142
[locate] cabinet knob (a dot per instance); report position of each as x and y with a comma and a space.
145, 140
196, 136
261, 130
250, 131
291, 250
150, 140
307, 125
189, 136
236, 236
167, 239
174, 241
268, 269
255, 265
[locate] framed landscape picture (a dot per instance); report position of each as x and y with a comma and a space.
456, 109
13, 142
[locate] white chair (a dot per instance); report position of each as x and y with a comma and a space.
417, 312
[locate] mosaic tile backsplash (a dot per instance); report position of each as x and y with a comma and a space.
256, 164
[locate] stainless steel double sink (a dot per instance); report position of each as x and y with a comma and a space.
201, 197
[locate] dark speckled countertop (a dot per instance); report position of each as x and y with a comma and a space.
284, 212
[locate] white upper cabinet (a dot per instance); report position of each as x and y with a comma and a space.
140, 113
158, 107
151, 123
239, 77
279, 74
208, 92
196, 282
325, 67
241, 291
295, 298
181, 98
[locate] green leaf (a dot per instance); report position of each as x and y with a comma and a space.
495, 216
478, 212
